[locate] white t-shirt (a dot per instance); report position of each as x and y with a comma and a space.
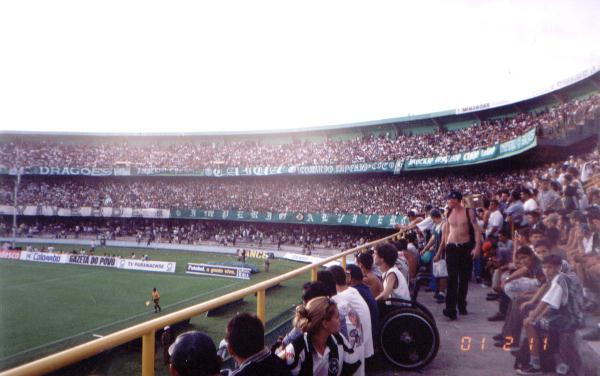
495, 220
556, 296
353, 307
530, 205
588, 244
426, 224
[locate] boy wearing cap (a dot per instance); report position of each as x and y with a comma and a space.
194, 354
556, 313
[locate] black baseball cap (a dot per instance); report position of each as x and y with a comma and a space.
455, 195
194, 353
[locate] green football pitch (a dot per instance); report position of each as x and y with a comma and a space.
49, 307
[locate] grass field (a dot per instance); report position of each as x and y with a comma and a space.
48, 307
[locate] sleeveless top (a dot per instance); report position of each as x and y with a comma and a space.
401, 291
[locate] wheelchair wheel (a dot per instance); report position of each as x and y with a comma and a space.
408, 338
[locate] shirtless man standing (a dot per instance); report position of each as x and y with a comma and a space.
461, 243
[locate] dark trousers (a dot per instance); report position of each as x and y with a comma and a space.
460, 266
156, 305
503, 303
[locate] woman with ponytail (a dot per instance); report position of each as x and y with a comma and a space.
321, 350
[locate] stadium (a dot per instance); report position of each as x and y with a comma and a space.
299, 188
200, 216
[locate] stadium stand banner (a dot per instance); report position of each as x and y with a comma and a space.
506, 149
355, 168
218, 271
85, 211
253, 253
146, 265
91, 260
10, 254
52, 258
362, 220
62, 171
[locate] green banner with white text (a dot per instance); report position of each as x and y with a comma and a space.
506, 149
360, 220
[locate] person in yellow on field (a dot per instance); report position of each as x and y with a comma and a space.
156, 300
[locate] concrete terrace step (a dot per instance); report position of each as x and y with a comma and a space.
466, 345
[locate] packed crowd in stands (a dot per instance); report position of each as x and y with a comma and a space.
336, 194
198, 155
150, 232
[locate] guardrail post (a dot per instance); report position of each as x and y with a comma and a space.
148, 346
313, 274
261, 300
344, 262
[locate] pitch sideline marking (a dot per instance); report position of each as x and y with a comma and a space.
111, 324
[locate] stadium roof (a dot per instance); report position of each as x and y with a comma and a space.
268, 66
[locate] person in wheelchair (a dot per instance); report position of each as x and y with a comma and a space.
394, 283
407, 334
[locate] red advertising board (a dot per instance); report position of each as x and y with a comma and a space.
10, 254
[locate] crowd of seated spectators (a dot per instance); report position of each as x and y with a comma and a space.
336, 194
195, 155
540, 259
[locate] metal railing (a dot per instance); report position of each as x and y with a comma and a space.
147, 330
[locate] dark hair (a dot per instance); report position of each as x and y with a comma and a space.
516, 194
401, 244
245, 335
365, 259
388, 253
543, 243
339, 275
355, 273
525, 250
538, 231
326, 277
555, 260
194, 354
313, 290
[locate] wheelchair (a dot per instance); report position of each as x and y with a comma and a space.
408, 336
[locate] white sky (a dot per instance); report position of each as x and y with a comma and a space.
200, 66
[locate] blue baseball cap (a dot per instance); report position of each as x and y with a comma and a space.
455, 195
